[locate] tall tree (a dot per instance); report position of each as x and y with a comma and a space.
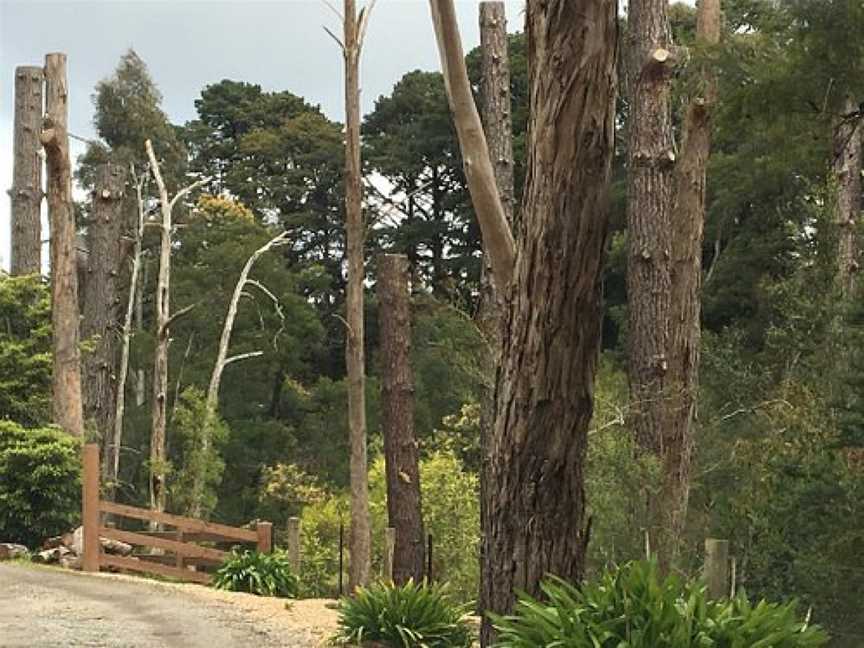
164, 319
495, 112
551, 337
101, 301
64, 278
404, 509
651, 159
687, 221
360, 538
26, 191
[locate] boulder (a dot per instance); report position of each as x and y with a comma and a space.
10, 551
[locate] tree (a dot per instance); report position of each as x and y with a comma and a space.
101, 300
26, 191
64, 278
360, 541
164, 319
404, 509
536, 519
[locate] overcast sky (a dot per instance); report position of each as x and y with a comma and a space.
279, 44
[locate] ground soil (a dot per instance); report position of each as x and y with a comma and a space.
42, 607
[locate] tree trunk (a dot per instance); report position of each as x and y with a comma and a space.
360, 538
848, 134
99, 324
140, 379
159, 404
397, 409
113, 462
688, 221
64, 279
26, 191
495, 107
650, 164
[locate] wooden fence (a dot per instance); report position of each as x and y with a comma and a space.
180, 542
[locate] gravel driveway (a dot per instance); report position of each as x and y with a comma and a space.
44, 607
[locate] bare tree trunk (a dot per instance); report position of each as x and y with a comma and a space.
140, 376
222, 360
848, 134
404, 507
535, 523
360, 539
650, 164
498, 242
164, 319
101, 300
113, 462
495, 107
64, 279
688, 222
26, 191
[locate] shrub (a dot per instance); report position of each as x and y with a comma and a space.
633, 607
264, 574
40, 483
406, 616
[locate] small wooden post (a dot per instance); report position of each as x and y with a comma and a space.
429, 559
717, 567
265, 536
389, 550
294, 544
341, 556
90, 508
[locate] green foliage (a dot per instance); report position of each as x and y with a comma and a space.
632, 606
40, 483
264, 574
25, 350
191, 424
407, 616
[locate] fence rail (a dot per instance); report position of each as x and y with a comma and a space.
180, 542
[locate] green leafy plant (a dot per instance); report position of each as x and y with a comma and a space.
406, 616
632, 606
40, 483
264, 574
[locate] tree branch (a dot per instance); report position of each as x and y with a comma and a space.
242, 356
497, 237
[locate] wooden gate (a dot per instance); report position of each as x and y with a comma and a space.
181, 542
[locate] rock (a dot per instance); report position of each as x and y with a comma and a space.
10, 551
76, 545
115, 547
52, 555
70, 561
53, 543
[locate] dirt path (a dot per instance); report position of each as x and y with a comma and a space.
44, 607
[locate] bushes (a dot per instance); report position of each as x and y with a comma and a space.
407, 616
264, 574
40, 483
633, 607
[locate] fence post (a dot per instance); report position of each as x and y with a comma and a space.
341, 555
717, 567
429, 559
294, 544
90, 508
389, 550
265, 536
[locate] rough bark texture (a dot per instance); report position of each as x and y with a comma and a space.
100, 322
404, 508
495, 111
64, 277
848, 159
360, 539
650, 163
688, 221
498, 239
551, 335
26, 191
